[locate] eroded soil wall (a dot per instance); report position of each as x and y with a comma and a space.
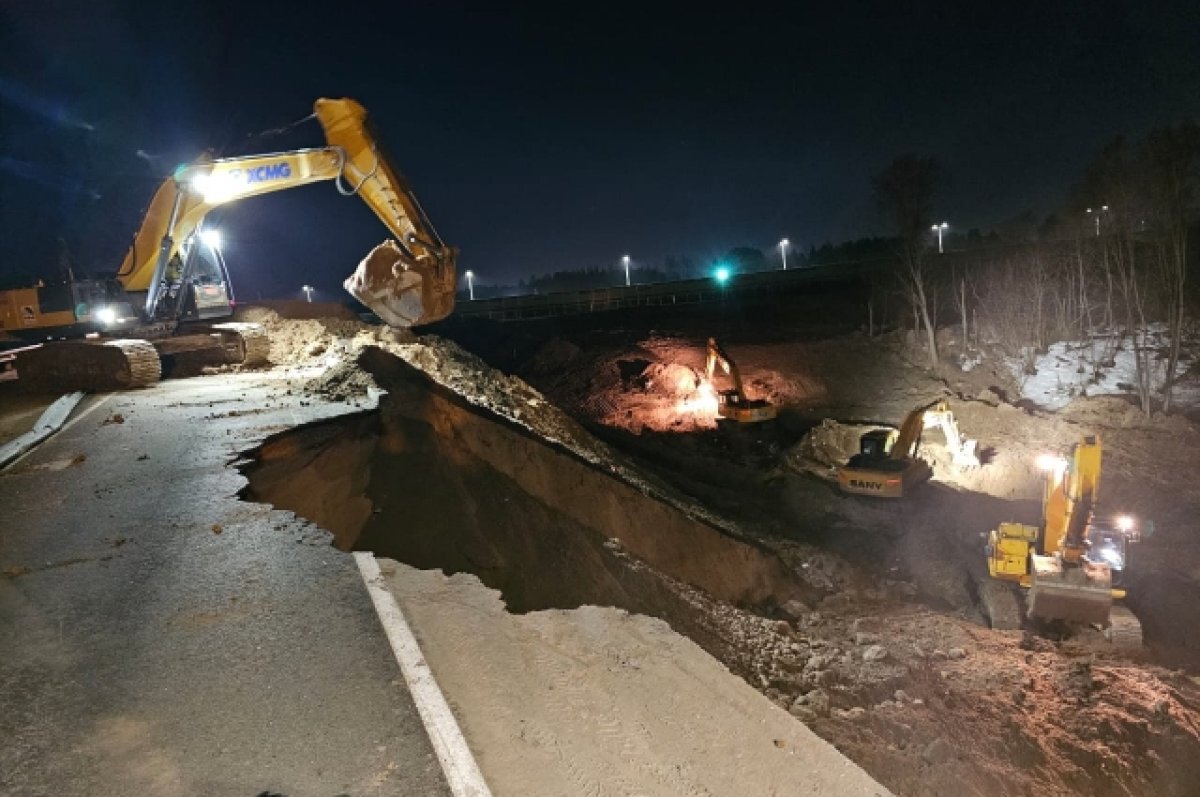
435, 482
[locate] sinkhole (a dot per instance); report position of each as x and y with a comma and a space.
435, 481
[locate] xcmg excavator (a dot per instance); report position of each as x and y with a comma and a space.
173, 277
733, 403
887, 465
1071, 566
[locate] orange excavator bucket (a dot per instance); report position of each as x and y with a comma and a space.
404, 291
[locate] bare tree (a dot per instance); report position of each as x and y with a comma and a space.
1118, 176
905, 192
1172, 162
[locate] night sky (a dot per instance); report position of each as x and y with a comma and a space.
549, 137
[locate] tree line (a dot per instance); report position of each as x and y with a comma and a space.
1119, 255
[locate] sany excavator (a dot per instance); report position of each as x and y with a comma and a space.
1071, 566
733, 403
887, 465
173, 277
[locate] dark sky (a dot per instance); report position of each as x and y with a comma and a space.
561, 136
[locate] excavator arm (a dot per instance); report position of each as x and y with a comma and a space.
734, 403
416, 272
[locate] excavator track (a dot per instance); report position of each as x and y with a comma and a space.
247, 344
1124, 629
96, 367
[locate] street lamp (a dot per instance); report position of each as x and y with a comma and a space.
625, 260
308, 291
211, 237
471, 284
783, 245
939, 229
1096, 216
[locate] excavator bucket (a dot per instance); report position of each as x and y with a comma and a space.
404, 291
1080, 594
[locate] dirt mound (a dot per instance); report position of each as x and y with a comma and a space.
345, 381
827, 446
292, 308
309, 341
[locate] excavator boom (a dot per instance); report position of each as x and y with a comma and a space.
417, 273
174, 272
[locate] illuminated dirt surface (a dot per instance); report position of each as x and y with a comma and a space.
860, 618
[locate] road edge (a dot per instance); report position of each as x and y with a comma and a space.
458, 764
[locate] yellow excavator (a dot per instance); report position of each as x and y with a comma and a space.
1071, 566
173, 278
887, 465
733, 403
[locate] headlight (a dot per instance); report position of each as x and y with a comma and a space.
1113, 557
106, 315
1051, 463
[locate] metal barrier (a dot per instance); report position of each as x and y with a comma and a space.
660, 294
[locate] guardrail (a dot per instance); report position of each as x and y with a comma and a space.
659, 294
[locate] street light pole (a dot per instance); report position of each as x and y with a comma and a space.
625, 260
939, 229
308, 289
783, 245
1096, 216
471, 284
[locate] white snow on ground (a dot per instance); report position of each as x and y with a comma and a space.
1102, 365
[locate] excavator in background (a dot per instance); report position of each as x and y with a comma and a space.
1071, 566
887, 465
173, 278
733, 403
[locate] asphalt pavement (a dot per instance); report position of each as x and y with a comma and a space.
160, 637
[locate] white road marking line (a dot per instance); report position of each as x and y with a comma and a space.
462, 773
64, 428
85, 413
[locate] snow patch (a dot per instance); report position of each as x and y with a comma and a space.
1103, 365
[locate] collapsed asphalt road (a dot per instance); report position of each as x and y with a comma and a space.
168, 639
160, 637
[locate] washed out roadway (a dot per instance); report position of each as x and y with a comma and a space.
158, 636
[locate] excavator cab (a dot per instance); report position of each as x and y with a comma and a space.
195, 285
876, 443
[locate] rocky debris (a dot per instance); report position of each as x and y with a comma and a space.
794, 609
937, 752
345, 381
875, 653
